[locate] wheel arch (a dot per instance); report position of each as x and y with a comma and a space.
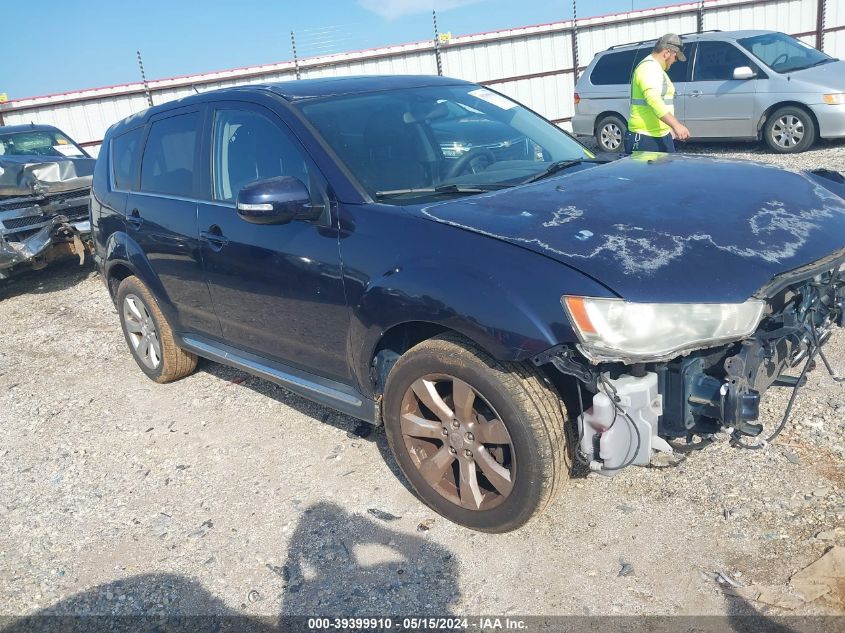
761, 125
602, 115
124, 258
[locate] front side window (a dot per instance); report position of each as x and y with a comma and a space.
169, 156
782, 53
39, 143
250, 147
716, 61
408, 144
124, 159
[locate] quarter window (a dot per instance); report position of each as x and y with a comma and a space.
168, 164
716, 61
250, 147
124, 159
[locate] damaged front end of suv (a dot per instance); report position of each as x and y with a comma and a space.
664, 371
43, 199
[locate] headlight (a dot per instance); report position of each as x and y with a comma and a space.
614, 329
837, 98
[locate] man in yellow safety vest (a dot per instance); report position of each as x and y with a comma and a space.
652, 126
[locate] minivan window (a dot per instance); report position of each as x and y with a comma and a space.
250, 147
124, 159
782, 53
614, 68
168, 163
716, 61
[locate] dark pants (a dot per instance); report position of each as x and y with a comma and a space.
635, 142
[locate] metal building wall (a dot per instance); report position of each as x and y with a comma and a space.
531, 64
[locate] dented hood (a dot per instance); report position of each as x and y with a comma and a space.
33, 175
667, 228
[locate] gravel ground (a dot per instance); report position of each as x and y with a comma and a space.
223, 493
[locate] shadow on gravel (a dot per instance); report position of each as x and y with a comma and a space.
743, 617
356, 430
337, 565
57, 276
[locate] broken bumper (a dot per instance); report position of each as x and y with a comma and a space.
58, 238
629, 410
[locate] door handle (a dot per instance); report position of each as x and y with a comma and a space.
134, 219
695, 93
214, 237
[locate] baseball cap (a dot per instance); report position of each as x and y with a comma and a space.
673, 42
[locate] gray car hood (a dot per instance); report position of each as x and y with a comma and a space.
35, 175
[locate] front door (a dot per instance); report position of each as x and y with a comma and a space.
715, 105
277, 289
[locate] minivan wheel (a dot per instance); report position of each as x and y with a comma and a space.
149, 336
789, 130
610, 133
481, 441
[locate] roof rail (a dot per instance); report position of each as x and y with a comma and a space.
654, 39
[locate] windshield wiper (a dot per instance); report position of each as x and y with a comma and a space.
451, 188
813, 65
558, 166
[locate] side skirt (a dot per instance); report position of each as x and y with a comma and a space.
327, 392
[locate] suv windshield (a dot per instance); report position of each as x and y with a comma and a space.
39, 143
404, 145
782, 53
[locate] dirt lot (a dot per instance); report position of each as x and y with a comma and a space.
226, 494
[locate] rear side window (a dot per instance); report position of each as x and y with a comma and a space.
169, 156
716, 61
614, 68
124, 159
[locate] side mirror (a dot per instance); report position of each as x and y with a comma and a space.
744, 72
276, 200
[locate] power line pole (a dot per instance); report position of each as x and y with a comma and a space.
144, 80
437, 44
295, 58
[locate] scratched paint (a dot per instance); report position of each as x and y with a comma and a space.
678, 218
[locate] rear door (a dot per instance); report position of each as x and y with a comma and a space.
277, 289
162, 217
715, 104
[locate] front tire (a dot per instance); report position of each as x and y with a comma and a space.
149, 336
481, 441
790, 130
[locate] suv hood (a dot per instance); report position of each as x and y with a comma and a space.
667, 227
39, 175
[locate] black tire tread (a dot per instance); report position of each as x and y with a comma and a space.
176, 363
526, 385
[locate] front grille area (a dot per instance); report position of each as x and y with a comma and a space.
44, 200
72, 213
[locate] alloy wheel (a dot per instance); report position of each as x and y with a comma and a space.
788, 131
457, 442
611, 136
141, 331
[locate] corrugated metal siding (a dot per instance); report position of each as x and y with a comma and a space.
502, 59
789, 16
834, 43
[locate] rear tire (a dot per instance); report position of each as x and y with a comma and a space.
790, 130
485, 444
149, 336
610, 134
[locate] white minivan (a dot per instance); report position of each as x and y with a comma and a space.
736, 85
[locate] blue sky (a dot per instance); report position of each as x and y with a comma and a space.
73, 44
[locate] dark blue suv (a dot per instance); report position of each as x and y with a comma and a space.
512, 308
